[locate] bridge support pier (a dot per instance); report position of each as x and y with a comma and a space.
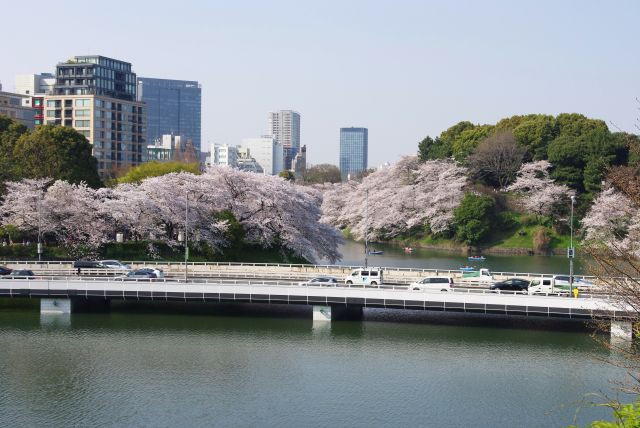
332, 313
55, 306
621, 331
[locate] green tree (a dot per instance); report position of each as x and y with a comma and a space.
534, 134
429, 149
466, 142
156, 169
323, 173
58, 152
474, 218
287, 175
10, 132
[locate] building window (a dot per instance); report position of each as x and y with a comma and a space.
83, 112
52, 103
83, 102
82, 123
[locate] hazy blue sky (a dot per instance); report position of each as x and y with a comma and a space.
404, 69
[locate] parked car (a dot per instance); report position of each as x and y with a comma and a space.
441, 283
20, 274
5, 270
365, 276
511, 284
138, 274
327, 281
114, 264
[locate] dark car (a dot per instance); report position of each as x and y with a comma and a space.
511, 284
21, 274
5, 270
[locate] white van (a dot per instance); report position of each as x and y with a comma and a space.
439, 283
546, 286
365, 276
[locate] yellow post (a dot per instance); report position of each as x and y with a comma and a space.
575, 292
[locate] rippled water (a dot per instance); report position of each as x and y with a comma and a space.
266, 368
394, 256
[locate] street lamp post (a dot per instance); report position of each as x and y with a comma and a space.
366, 229
571, 252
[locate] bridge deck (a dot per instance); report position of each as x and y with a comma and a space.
459, 300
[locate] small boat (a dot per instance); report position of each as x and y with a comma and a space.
408, 250
376, 252
477, 258
467, 268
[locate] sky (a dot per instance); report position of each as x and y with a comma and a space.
403, 69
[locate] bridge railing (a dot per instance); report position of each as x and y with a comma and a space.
67, 267
116, 283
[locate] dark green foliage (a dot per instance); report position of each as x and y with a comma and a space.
323, 173
429, 149
56, 152
474, 218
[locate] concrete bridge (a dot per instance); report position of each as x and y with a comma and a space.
300, 272
60, 294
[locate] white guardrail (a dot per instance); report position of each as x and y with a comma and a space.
296, 270
119, 282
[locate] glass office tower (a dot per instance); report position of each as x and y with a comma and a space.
354, 147
173, 107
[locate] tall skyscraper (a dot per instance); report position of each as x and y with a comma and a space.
284, 125
173, 107
354, 148
96, 95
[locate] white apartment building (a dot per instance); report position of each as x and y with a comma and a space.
268, 153
224, 155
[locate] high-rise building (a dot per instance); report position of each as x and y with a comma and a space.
268, 152
173, 107
96, 95
246, 162
354, 147
284, 125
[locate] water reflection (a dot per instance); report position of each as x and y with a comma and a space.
394, 256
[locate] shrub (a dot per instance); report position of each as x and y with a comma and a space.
541, 239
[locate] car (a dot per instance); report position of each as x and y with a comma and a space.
564, 280
366, 277
159, 273
113, 264
138, 274
440, 283
511, 284
327, 281
5, 270
20, 274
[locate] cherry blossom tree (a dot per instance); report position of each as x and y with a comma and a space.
403, 196
614, 221
539, 194
272, 211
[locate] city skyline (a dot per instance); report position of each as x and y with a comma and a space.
434, 65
